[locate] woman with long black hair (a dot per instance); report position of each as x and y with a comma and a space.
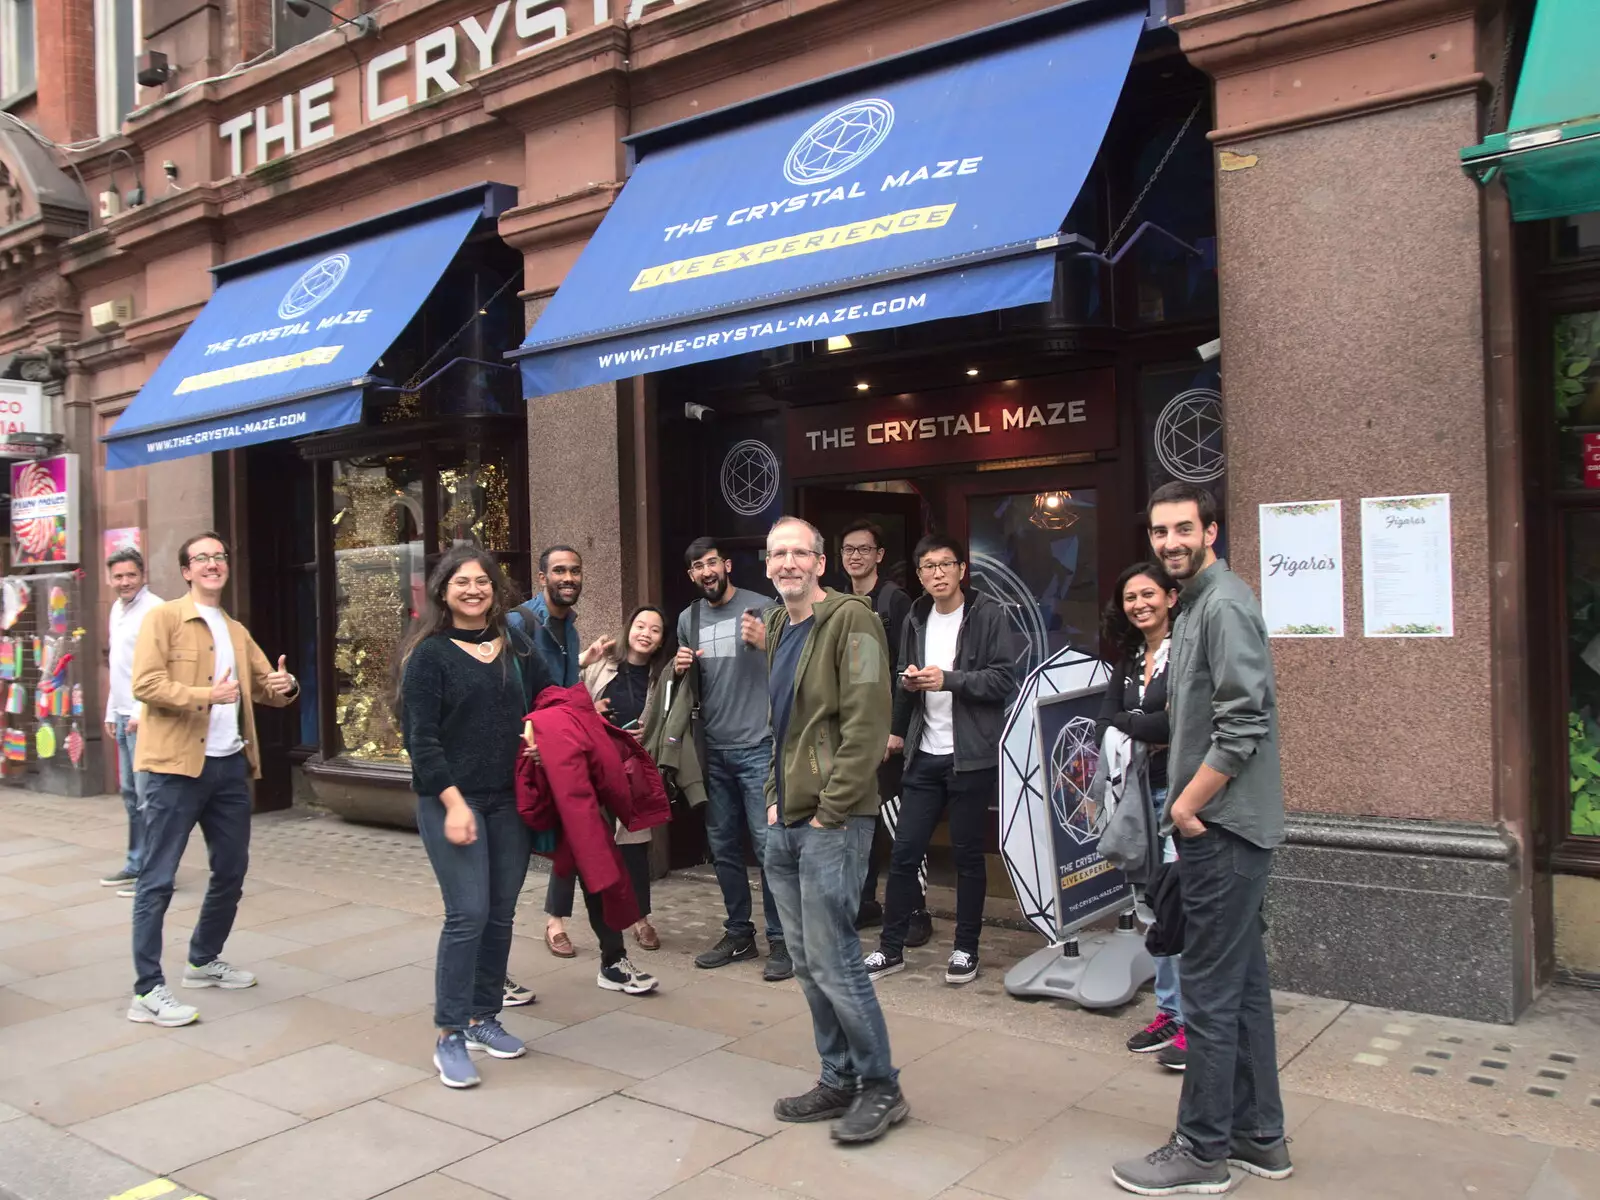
465, 684
1138, 622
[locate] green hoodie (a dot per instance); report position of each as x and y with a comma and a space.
842, 708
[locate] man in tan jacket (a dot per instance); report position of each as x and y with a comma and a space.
199, 675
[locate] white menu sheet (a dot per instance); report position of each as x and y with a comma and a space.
1407, 588
1302, 569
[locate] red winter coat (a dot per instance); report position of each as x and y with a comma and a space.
588, 772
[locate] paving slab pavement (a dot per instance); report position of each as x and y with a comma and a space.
319, 1081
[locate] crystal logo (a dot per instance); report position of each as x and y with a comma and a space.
839, 141
750, 474
314, 286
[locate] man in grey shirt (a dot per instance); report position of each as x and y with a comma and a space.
1225, 791
721, 637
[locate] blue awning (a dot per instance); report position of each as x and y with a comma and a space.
931, 193
286, 350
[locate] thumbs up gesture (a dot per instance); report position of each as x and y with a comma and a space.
280, 682
226, 689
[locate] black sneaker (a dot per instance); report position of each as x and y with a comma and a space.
962, 967
1172, 1170
920, 931
1174, 1056
821, 1103
730, 949
869, 914
1154, 1035
779, 965
119, 879
879, 964
1268, 1160
877, 1106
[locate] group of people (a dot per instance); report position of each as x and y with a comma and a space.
832, 729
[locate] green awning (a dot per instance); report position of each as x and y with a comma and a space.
1549, 156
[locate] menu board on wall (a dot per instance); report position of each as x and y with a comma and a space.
1302, 569
1406, 584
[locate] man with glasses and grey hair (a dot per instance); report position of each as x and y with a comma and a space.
958, 677
828, 683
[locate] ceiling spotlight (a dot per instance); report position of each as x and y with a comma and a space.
972, 371
861, 387
839, 342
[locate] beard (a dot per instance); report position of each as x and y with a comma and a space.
716, 591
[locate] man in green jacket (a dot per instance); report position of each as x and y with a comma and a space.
828, 677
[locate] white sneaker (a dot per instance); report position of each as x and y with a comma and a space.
159, 1006
217, 973
623, 976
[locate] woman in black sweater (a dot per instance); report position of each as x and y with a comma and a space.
466, 683
1138, 622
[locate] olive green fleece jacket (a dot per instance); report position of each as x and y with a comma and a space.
840, 723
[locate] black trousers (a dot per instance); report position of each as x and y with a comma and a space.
562, 889
933, 786
889, 775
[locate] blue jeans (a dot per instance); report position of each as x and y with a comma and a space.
219, 802
1169, 994
133, 785
736, 799
1230, 1088
480, 884
816, 877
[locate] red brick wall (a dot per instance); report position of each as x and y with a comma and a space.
250, 29
65, 40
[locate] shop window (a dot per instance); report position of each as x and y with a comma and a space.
1038, 554
475, 500
1577, 236
1173, 283
16, 48
116, 53
1577, 397
1583, 668
379, 574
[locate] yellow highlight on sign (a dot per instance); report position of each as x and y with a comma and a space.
910, 220
321, 356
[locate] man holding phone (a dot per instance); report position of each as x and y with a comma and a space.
959, 676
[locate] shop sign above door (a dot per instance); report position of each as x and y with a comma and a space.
394, 79
1016, 418
22, 410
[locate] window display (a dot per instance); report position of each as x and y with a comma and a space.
41, 673
379, 575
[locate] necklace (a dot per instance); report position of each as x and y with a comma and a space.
484, 642
486, 650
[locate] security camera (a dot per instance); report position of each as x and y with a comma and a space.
699, 412
171, 168
1208, 351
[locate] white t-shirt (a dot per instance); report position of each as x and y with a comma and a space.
939, 708
222, 739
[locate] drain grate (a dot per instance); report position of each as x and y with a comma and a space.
1551, 1073
1547, 1093
1560, 1057
1444, 1054
1481, 1080
1494, 1064
1419, 1069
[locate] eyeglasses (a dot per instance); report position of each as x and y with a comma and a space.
707, 564
857, 551
200, 560
939, 568
798, 557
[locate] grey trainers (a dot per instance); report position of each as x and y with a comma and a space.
1269, 1160
1173, 1170
876, 1107
219, 974
454, 1063
159, 1006
623, 976
491, 1037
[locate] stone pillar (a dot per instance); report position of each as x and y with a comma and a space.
1353, 312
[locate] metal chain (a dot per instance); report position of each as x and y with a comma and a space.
1156, 174
1500, 84
422, 371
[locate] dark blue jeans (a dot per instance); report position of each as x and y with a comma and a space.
219, 802
816, 875
1231, 1084
736, 800
132, 784
480, 884
931, 787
